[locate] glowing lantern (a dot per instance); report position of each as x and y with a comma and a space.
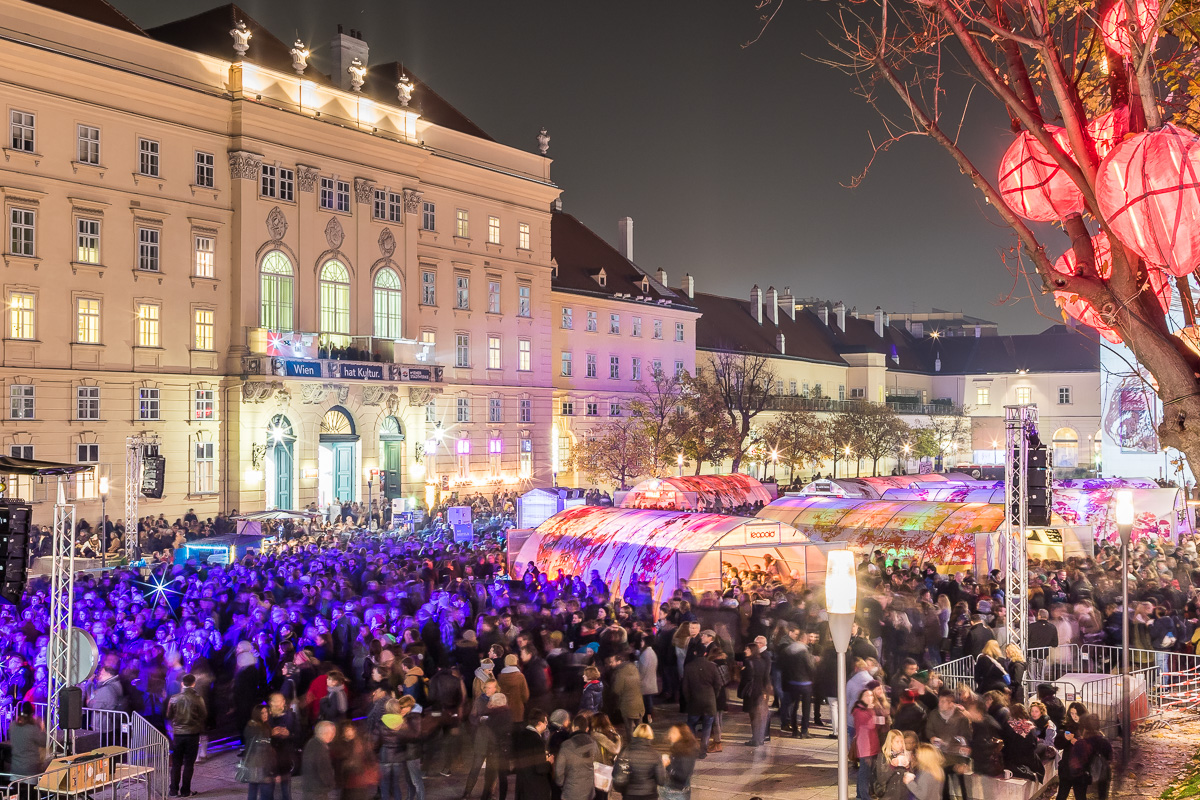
1083, 310
1148, 188
1115, 29
1108, 129
1033, 184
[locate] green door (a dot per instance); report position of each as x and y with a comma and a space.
343, 472
283, 474
389, 482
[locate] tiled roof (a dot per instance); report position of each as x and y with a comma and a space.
380, 84
97, 11
727, 324
1056, 349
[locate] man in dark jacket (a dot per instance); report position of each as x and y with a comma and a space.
537, 678
701, 682
796, 678
574, 767
1041, 632
625, 688
186, 713
977, 637
446, 695
499, 747
317, 778
529, 760
753, 690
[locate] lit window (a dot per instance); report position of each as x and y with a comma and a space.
983, 396
1064, 395
493, 297
148, 324
614, 323
592, 409
22, 131
148, 157
462, 350
205, 173
21, 315
614, 367
524, 355
526, 410
526, 458
591, 365
87, 241
567, 321
429, 337
462, 292
203, 403
462, 223
494, 230
428, 216
89, 144
463, 410
495, 409
204, 256
205, 467
635, 368
148, 254
493, 361
566, 365
388, 304
87, 402
658, 329
20, 485
268, 180
85, 482
275, 277
679, 331
592, 324
637, 326
148, 404
523, 236
1023, 393
21, 229
335, 298
205, 329
429, 288
21, 401
524, 306
287, 184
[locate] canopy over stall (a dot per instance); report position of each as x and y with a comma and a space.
873, 488
538, 505
698, 493
627, 544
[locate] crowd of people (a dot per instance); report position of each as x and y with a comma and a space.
365, 663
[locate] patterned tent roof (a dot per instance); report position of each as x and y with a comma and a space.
711, 491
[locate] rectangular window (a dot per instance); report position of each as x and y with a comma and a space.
1064, 395
85, 482
567, 321
287, 184
494, 230
614, 409
21, 451
148, 157
792, 388
203, 403
462, 350
430, 414
858, 394
637, 326
328, 199
148, 319
524, 355
778, 383
495, 409
21, 400
462, 223
22, 131
494, 297
566, 365
148, 249
148, 404
656, 367
635, 368
679, 331
592, 323
592, 409
523, 236
526, 410
463, 409
841, 392
21, 230
428, 216
205, 172
87, 402
679, 370
524, 306
379, 206
493, 361
395, 207
462, 292
428, 288
526, 458
568, 408
88, 151
204, 256
1023, 394
428, 337
343, 196
614, 323
87, 317
21, 319
658, 329
87, 241
614, 367
87, 453
205, 467
205, 329
983, 396
591, 365
268, 179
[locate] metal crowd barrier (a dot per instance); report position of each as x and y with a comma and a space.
116, 774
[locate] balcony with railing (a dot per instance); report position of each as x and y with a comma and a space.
831, 406
310, 355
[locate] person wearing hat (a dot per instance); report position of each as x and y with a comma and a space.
513, 686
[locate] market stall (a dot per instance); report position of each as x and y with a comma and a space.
874, 488
629, 544
698, 493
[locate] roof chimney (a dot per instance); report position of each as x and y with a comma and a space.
788, 301
839, 313
823, 314
773, 305
689, 285
342, 51
879, 322
625, 237
756, 304
779, 343
662, 276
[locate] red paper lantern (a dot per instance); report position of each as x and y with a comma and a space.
1108, 129
1148, 188
1083, 310
1115, 30
1033, 184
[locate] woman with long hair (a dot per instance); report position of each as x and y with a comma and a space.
1091, 759
679, 763
926, 781
1065, 742
1046, 729
990, 674
890, 766
609, 743
1020, 737
638, 772
258, 762
1016, 669
865, 714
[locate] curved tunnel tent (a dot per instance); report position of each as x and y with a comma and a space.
873, 488
697, 492
627, 544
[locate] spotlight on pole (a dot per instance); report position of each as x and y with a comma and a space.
841, 600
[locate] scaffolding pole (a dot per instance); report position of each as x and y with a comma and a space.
1019, 423
135, 452
62, 595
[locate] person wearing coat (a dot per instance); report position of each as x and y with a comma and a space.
639, 771
26, 737
259, 759
990, 674
625, 684
1017, 669
317, 778
752, 689
513, 686
977, 636
701, 682
529, 760
574, 767
647, 664
499, 752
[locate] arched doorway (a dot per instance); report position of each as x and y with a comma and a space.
281, 464
1066, 448
337, 457
391, 457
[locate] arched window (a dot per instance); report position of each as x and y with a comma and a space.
276, 288
335, 298
388, 306
1066, 448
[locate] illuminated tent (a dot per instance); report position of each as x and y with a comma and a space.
873, 488
697, 492
627, 544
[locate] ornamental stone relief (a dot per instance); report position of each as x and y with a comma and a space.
276, 223
244, 166
412, 201
334, 234
364, 190
387, 243
306, 177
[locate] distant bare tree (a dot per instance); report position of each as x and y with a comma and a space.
613, 453
659, 407
744, 382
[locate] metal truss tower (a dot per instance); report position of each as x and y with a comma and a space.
135, 451
1019, 423
62, 596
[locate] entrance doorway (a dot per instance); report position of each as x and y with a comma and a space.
338, 458
281, 464
391, 458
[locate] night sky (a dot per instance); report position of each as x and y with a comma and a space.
731, 161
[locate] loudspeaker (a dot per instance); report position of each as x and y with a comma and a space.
14, 549
70, 708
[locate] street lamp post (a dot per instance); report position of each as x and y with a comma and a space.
103, 522
775, 465
679, 461
841, 600
1124, 514
369, 474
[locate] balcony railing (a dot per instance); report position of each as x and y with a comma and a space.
825, 404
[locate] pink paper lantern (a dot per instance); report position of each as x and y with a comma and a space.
1033, 184
1083, 310
1148, 188
1108, 129
1115, 30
